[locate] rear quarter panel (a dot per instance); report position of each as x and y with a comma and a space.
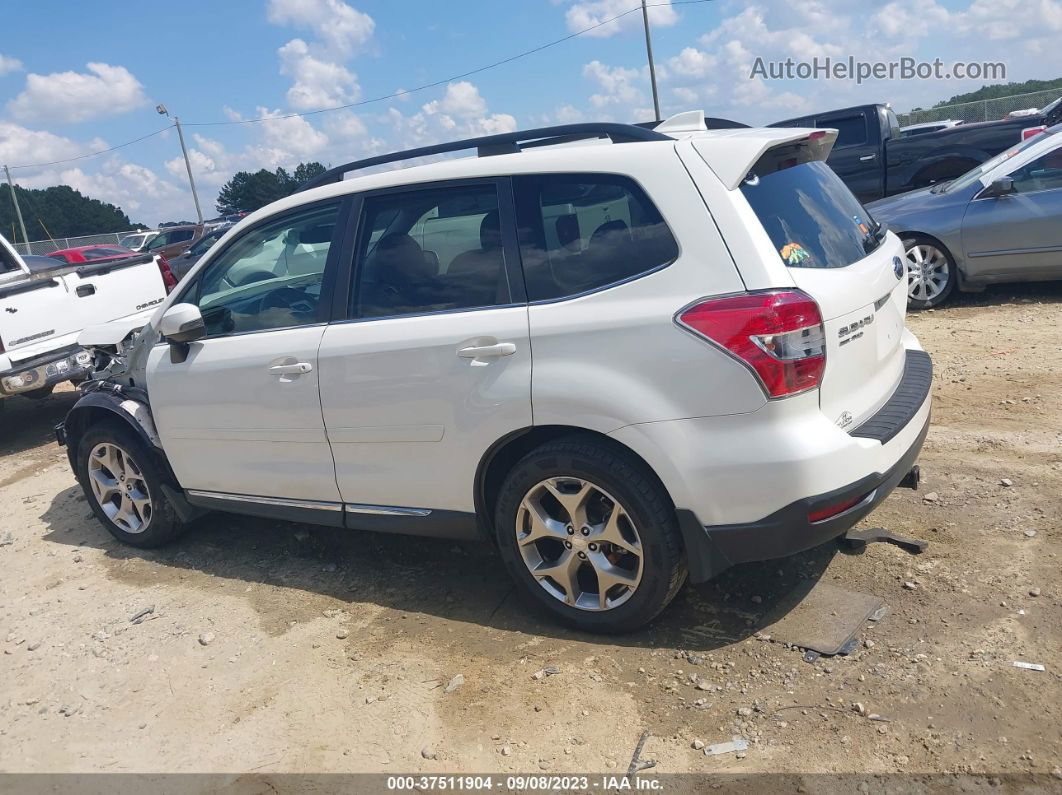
616, 357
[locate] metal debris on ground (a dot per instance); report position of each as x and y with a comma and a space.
1028, 666
857, 539
821, 617
136, 618
735, 745
549, 670
637, 763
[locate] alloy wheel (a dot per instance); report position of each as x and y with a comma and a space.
927, 272
579, 543
119, 487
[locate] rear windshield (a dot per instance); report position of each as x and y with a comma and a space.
811, 217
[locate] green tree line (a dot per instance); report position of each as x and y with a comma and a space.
247, 191
58, 211
1001, 90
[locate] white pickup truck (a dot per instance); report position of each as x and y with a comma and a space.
43, 311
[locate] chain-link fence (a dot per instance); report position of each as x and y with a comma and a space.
982, 110
48, 246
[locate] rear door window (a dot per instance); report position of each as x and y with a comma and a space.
581, 232
431, 250
810, 215
851, 130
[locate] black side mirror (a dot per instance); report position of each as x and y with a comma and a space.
1004, 186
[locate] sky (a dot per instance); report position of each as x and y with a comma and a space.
89, 77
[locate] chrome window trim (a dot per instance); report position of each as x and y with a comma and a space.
385, 510
279, 501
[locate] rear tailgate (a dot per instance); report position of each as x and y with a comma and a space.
812, 233
108, 291
863, 307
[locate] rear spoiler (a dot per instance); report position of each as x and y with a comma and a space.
733, 157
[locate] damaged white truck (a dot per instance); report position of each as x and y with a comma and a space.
42, 312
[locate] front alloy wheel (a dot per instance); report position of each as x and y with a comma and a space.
120, 487
930, 273
579, 543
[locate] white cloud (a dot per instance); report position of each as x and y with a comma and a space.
342, 28
616, 86
692, 63
910, 18
9, 64
141, 193
584, 14
21, 146
317, 83
76, 96
461, 99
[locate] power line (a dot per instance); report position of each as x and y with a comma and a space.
395, 95
437, 83
94, 154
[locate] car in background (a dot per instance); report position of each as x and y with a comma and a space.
174, 240
93, 253
999, 222
137, 241
101, 253
180, 265
928, 127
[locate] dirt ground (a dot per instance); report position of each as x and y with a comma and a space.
331, 650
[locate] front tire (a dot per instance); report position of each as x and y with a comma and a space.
122, 482
589, 533
931, 272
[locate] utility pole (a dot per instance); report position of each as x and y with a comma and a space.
652, 67
18, 210
161, 109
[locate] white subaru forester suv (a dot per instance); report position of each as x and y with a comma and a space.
629, 357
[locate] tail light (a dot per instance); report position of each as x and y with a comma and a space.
168, 278
777, 334
1029, 132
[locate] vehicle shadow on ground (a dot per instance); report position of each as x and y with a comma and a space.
27, 423
1000, 294
463, 582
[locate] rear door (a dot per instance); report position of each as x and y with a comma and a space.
433, 364
829, 244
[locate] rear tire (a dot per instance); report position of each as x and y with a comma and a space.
931, 272
122, 482
613, 528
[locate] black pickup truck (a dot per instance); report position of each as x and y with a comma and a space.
874, 161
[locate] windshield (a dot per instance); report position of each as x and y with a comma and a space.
974, 174
813, 220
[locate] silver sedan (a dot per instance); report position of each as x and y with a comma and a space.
999, 222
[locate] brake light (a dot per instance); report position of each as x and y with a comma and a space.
777, 334
1029, 132
168, 279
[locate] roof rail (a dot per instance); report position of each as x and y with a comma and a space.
503, 143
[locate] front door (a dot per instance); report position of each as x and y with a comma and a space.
242, 413
433, 364
1019, 234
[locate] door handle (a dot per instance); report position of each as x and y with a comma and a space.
487, 351
291, 369
85, 290
867, 157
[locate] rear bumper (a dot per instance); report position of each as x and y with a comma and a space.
711, 550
